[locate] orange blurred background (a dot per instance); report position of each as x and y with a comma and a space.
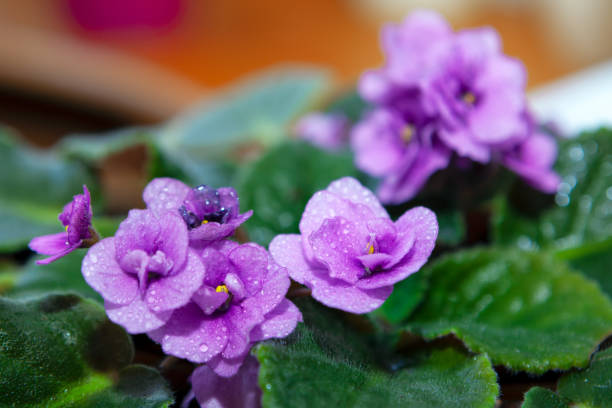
60, 72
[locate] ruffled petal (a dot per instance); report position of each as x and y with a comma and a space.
136, 317
102, 272
165, 194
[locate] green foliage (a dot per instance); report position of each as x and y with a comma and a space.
405, 297
278, 186
320, 367
526, 310
591, 387
538, 397
580, 223
62, 351
350, 105
235, 125
34, 186
94, 148
63, 275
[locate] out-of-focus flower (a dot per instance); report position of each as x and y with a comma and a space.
325, 130
533, 160
349, 252
241, 301
442, 93
145, 271
240, 390
76, 218
210, 214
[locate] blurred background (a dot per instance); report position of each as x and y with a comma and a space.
82, 66
90, 65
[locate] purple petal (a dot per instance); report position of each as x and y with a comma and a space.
165, 194
192, 335
419, 224
226, 367
337, 244
171, 292
345, 296
50, 244
240, 320
217, 265
325, 130
286, 249
461, 141
240, 390
375, 87
213, 231
209, 299
323, 205
377, 143
274, 289
407, 182
80, 217
136, 317
350, 189
59, 255
140, 230
384, 233
279, 323
375, 261
102, 272
251, 262
173, 238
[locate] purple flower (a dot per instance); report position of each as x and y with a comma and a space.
240, 302
210, 214
325, 130
240, 390
533, 160
441, 93
145, 271
76, 217
349, 252
402, 149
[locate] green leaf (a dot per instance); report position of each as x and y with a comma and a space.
94, 148
350, 105
591, 387
452, 227
579, 225
588, 388
257, 110
34, 186
320, 367
62, 351
405, 297
526, 310
63, 275
538, 397
278, 186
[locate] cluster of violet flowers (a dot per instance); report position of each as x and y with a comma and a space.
173, 272
440, 94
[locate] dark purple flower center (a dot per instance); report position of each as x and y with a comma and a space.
203, 204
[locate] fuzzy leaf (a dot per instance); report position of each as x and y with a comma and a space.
62, 351
278, 186
538, 397
526, 310
94, 148
313, 368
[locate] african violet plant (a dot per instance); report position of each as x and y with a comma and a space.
467, 278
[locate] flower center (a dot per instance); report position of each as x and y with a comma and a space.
202, 205
468, 98
222, 288
226, 305
407, 133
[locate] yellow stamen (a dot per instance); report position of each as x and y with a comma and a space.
468, 98
204, 222
66, 228
222, 288
407, 133
370, 249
